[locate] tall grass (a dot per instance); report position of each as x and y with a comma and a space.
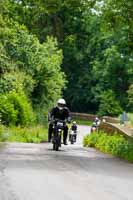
82, 121
3, 134
130, 116
34, 134
115, 144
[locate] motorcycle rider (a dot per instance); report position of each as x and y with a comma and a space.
74, 129
74, 126
93, 127
97, 121
60, 112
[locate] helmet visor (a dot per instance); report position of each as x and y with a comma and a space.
61, 105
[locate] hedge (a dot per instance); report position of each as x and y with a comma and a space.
113, 144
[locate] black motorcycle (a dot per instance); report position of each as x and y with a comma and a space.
72, 136
58, 126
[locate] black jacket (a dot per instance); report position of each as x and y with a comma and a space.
74, 127
56, 113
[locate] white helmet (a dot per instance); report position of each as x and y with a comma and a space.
74, 122
61, 101
61, 104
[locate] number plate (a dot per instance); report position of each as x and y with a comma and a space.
59, 124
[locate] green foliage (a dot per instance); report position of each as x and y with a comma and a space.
16, 81
101, 60
41, 65
96, 41
130, 98
3, 135
34, 134
90, 141
49, 77
130, 117
29, 67
15, 109
118, 16
5, 61
113, 144
82, 121
109, 105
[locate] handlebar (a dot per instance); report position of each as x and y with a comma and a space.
58, 120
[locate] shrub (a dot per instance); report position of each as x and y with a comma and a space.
114, 144
15, 109
3, 133
27, 134
23, 134
91, 140
130, 117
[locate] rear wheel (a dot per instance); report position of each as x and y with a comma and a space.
71, 139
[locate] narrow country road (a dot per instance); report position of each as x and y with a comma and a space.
35, 172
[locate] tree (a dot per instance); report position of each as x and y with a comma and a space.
96, 39
28, 67
109, 106
130, 98
15, 109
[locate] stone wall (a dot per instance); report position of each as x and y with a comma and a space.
110, 126
83, 116
91, 117
113, 129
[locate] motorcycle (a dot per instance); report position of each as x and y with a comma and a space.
72, 136
58, 127
94, 127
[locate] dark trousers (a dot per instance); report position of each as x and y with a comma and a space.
65, 132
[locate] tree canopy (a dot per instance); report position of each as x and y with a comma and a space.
79, 48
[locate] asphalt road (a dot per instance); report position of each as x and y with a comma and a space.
35, 172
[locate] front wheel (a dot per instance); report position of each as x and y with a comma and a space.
54, 146
57, 147
71, 142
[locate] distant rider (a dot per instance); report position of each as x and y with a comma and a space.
74, 129
97, 121
74, 126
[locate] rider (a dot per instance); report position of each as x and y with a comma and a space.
94, 127
60, 112
97, 121
74, 126
74, 129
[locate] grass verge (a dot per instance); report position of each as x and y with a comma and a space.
115, 144
82, 122
130, 116
34, 134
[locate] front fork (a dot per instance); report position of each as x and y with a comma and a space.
57, 137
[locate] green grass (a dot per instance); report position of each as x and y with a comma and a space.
34, 134
2, 131
130, 116
115, 144
82, 122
